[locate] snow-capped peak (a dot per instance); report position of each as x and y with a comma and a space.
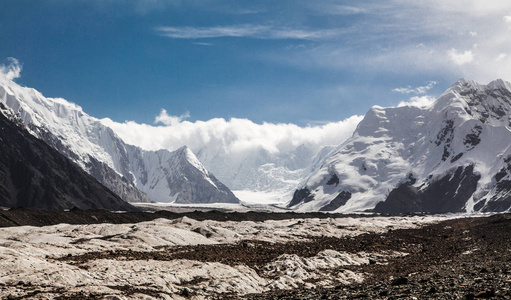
187, 154
464, 134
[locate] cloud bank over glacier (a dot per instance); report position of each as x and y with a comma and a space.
231, 136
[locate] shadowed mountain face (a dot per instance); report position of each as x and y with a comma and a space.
34, 175
448, 194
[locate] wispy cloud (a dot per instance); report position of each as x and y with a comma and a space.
12, 69
468, 43
328, 8
245, 31
203, 44
417, 90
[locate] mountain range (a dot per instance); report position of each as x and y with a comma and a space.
451, 156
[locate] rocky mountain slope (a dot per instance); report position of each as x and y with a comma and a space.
132, 173
34, 175
452, 156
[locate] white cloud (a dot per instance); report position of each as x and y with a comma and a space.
461, 58
418, 90
345, 10
418, 101
473, 33
12, 70
169, 120
467, 7
327, 8
203, 44
234, 135
507, 19
501, 56
245, 30
210, 32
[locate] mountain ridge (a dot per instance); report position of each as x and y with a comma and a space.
99, 151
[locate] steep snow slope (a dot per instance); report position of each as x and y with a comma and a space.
99, 151
454, 155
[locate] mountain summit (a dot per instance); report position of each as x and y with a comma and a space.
176, 176
451, 156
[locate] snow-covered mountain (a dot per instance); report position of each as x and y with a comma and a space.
451, 156
176, 176
130, 172
36, 176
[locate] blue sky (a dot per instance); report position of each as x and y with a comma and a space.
301, 62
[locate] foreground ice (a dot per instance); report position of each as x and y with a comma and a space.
28, 256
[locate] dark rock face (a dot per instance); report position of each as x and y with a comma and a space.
404, 198
34, 175
473, 139
338, 201
455, 158
501, 201
446, 135
333, 180
448, 194
302, 195
410, 180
